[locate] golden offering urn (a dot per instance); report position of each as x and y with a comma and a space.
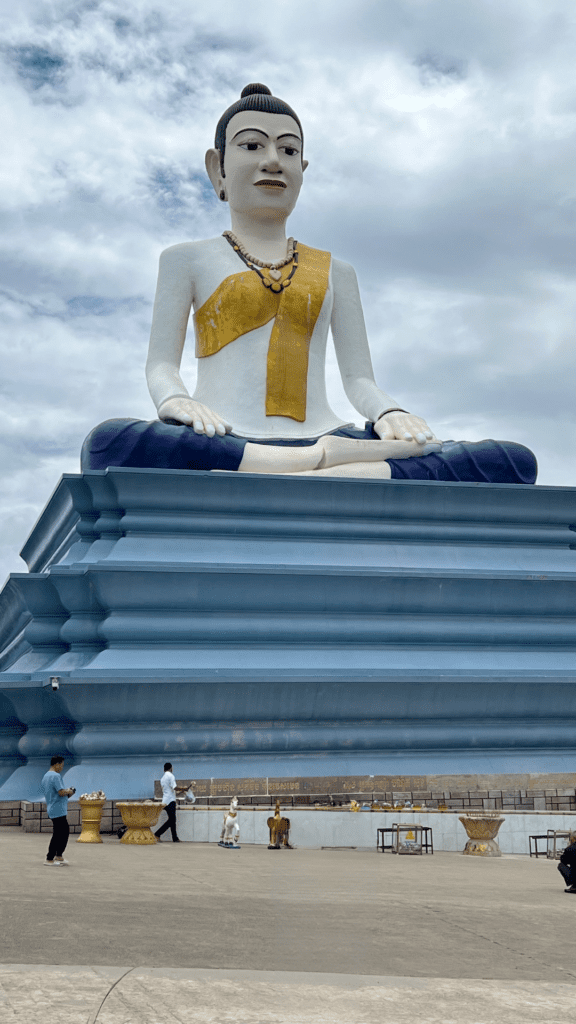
482, 829
139, 816
91, 806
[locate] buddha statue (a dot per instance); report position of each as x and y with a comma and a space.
263, 305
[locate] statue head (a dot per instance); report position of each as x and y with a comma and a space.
257, 159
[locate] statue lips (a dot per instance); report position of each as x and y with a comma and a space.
267, 183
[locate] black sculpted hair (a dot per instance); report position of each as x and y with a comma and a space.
253, 97
56, 760
167, 767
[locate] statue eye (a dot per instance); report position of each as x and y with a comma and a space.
290, 151
250, 145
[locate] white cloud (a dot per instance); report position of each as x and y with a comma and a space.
441, 145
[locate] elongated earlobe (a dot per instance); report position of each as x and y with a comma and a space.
215, 173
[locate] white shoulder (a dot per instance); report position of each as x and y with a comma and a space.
188, 252
181, 252
343, 273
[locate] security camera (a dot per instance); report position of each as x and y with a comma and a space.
55, 682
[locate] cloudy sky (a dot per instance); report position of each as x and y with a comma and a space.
440, 136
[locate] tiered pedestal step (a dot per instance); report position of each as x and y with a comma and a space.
264, 625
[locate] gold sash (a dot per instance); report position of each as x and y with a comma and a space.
241, 304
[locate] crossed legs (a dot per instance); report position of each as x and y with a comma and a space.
331, 456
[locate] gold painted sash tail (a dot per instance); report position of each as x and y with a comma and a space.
298, 311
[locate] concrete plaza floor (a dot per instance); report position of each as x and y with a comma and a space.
193, 933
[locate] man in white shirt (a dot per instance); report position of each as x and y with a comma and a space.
169, 790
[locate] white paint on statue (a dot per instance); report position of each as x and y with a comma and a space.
230, 829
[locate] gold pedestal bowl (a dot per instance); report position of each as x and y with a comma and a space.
482, 830
91, 811
139, 818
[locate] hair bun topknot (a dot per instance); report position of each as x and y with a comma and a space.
255, 88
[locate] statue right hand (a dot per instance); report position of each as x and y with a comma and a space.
193, 414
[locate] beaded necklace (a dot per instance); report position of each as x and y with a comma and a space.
273, 279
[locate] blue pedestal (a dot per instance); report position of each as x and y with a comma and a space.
246, 626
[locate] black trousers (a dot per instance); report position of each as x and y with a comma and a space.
170, 823
59, 841
567, 873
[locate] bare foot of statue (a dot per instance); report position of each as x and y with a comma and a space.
339, 451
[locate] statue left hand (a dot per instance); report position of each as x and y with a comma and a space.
403, 426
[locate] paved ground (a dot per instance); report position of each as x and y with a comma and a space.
427, 939
77, 995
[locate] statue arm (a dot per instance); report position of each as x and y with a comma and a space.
355, 363
174, 296
351, 344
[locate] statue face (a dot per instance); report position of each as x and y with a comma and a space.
263, 163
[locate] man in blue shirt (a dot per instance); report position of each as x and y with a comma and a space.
57, 806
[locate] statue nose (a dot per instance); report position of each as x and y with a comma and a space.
271, 161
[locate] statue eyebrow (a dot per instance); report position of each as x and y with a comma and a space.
251, 130
286, 135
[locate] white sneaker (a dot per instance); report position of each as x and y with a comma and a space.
63, 863
52, 863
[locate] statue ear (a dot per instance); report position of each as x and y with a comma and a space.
304, 165
214, 170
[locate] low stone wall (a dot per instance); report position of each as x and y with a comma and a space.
32, 817
529, 792
514, 800
11, 812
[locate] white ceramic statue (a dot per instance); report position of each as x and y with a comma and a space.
230, 829
263, 305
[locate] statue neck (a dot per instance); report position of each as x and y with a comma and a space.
265, 238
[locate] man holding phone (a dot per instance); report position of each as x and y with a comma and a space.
57, 806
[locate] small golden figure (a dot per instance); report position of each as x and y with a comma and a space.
279, 830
